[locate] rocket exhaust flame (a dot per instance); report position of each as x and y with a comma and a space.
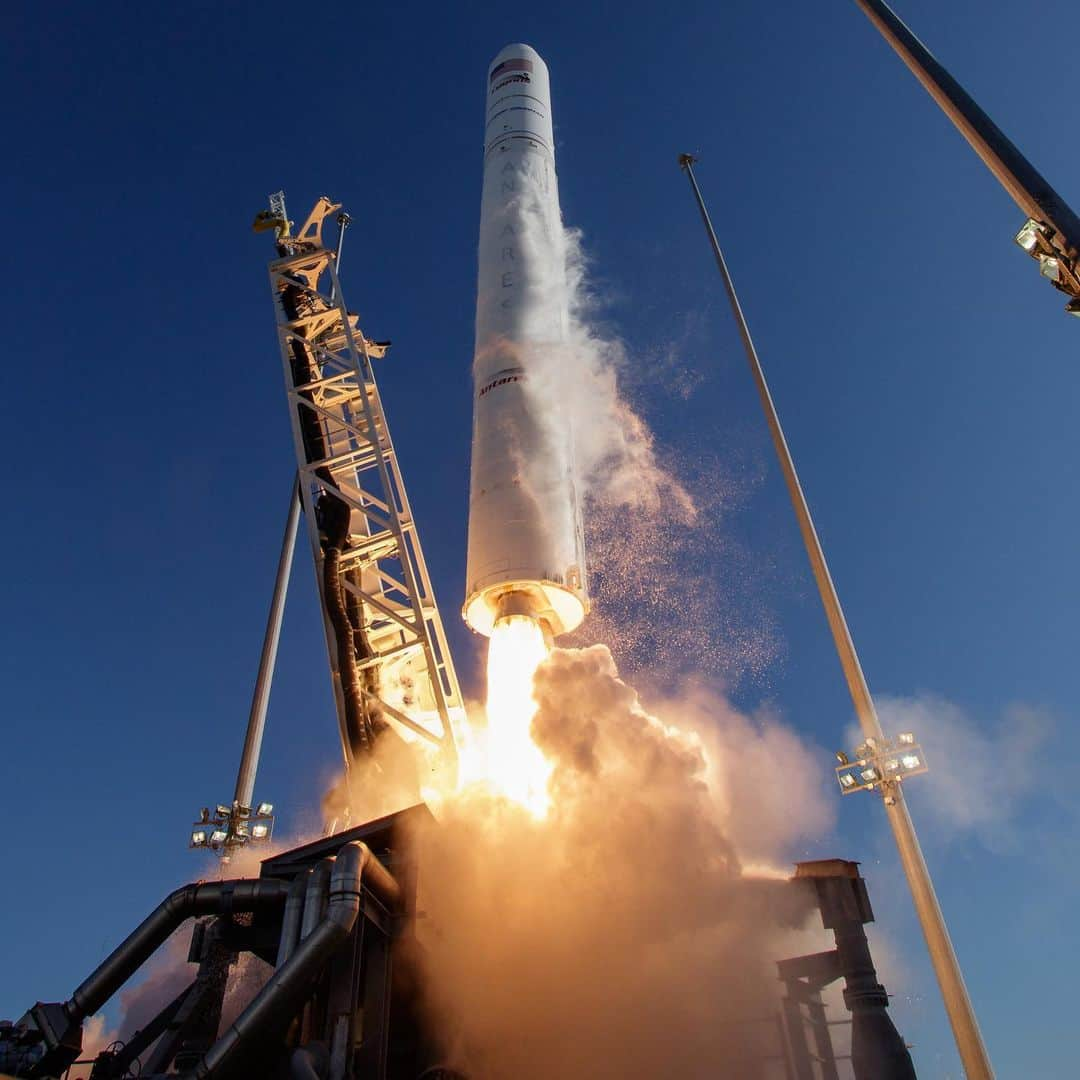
507, 761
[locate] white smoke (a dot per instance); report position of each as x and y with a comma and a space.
645, 514
575, 386
613, 937
768, 782
96, 1037
981, 772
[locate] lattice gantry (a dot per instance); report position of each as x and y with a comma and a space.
388, 652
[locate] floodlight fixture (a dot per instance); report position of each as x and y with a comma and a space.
880, 763
1057, 260
230, 826
1050, 267
1028, 236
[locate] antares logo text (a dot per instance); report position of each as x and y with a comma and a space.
523, 78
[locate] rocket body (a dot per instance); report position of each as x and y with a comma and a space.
525, 551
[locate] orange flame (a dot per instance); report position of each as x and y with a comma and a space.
503, 758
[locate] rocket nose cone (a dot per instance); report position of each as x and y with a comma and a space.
517, 51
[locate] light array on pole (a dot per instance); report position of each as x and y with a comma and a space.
229, 827
880, 761
1056, 263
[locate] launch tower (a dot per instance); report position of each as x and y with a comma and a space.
391, 671
389, 658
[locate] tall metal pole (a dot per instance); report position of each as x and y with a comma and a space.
1029, 189
1056, 240
344, 220
965, 1026
249, 759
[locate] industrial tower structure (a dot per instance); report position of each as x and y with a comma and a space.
391, 671
389, 659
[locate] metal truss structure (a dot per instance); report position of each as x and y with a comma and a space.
388, 652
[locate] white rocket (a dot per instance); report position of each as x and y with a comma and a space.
526, 552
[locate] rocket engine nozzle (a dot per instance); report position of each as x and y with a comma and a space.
525, 603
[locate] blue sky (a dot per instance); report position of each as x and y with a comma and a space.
926, 376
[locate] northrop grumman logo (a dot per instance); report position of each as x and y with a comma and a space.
512, 79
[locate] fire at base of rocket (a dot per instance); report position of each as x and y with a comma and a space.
526, 549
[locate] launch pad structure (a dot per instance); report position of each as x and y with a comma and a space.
336, 920
390, 663
332, 926
388, 653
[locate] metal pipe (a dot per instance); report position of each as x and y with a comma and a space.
339, 1048
302, 1064
318, 883
354, 868
290, 921
877, 1050
205, 898
249, 758
1024, 183
60, 1023
958, 1005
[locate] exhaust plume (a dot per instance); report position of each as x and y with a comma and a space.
616, 936
660, 569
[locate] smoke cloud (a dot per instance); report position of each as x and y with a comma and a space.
621, 934
614, 452
574, 383
980, 774
660, 568
616, 936
761, 774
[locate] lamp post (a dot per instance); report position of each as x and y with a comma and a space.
1052, 232
962, 1018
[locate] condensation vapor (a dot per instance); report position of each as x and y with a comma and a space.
669, 588
617, 936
